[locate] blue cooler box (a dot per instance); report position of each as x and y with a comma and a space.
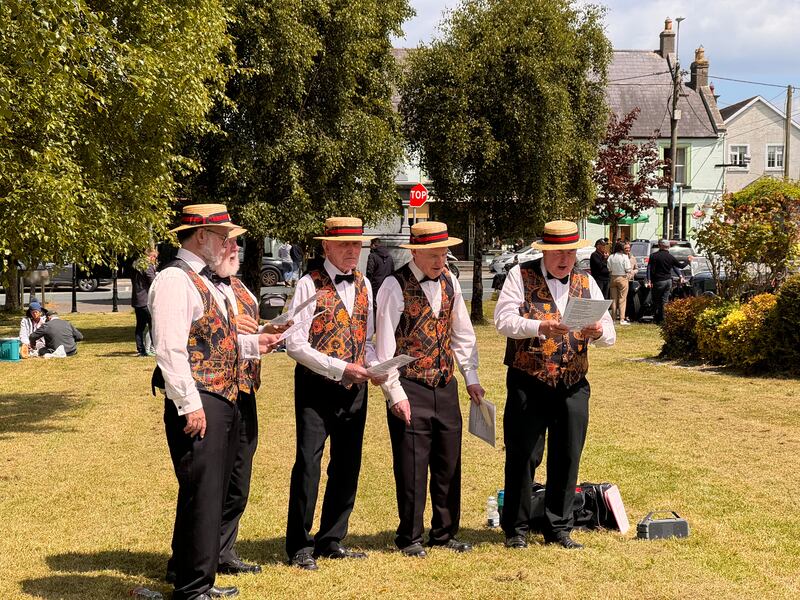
9, 349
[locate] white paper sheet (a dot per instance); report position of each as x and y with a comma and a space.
387, 366
582, 312
299, 324
482, 421
285, 317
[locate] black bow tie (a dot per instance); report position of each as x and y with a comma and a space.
426, 278
215, 279
348, 278
564, 280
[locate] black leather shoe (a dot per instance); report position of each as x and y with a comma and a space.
454, 545
340, 552
237, 567
303, 560
416, 550
223, 592
517, 542
170, 577
565, 542
203, 597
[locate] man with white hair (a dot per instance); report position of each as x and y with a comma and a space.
198, 354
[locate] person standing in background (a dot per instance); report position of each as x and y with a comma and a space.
619, 266
598, 264
143, 276
285, 256
296, 253
379, 265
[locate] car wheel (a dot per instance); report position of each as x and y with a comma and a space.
637, 308
454, 270
270, 278
87, 284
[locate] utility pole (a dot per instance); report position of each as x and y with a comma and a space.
787, 132
673, 137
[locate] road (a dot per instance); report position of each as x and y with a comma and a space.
100, 300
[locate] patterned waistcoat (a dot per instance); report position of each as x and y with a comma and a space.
553, 359
212, 346
335, 332
249, 369
423, 334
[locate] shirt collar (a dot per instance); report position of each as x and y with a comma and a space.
416, 270
191, 259
332, 270
553, 279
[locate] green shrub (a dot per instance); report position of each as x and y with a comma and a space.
786, 350
678, 326
746, 334
705, 331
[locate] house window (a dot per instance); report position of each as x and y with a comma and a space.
774, 156
739, 156
680, 164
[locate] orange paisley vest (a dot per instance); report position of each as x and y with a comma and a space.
249, 369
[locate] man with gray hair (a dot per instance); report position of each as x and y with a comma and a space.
660, 267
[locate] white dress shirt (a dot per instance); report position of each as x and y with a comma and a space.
390, 308
175, 303
297, 345
511, 324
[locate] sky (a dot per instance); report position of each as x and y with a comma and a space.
753, 40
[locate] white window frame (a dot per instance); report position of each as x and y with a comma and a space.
766, 157
744, 167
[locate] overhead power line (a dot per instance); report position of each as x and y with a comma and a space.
776, 85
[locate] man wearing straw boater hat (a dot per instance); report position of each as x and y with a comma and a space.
198, 355
421, 313
546, 381
333, 351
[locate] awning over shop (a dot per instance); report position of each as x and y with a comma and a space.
622, 221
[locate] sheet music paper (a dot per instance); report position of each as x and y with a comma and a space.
388, 366
285, 317
582, 312
482, 421
299, 324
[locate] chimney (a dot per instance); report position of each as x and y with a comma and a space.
667, 39
699, 70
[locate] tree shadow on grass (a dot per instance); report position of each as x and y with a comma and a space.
68, 587
145, 565
108, 334
30, 413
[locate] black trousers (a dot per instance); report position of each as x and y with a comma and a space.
605, 287
432, 441
143, 321
324, 409
203, 468
533, 408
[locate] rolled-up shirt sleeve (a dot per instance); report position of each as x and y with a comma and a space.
297, 345
390, 308
507, 318
171, 306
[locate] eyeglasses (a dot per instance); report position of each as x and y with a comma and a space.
225, 238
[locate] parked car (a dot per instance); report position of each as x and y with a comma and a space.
511, 258
62, 277
271, 271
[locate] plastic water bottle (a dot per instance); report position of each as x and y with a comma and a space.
492, 516
501, 495
143, 592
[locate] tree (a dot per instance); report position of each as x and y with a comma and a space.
307, 128
94, 98
625, 174
752, 235
505, 112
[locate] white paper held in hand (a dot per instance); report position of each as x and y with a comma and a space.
482, 421
299, 324
285, 317
582, 312
387, 366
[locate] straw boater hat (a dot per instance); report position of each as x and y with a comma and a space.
430, 234
560, 235
344, 229
205, 215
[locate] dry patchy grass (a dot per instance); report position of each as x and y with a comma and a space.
88, 492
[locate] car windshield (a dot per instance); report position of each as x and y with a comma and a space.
700, 264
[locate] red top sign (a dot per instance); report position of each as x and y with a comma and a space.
418, 196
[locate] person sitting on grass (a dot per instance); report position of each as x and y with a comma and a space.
57, 333
35, 317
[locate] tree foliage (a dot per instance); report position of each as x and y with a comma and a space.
94, 98
505, 112
307, 129
625, 173
752, 235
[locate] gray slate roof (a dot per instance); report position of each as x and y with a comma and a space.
641, 78
734, 108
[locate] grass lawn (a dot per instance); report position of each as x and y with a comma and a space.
87, 490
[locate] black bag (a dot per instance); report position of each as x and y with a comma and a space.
589, 509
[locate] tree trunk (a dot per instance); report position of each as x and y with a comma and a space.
476, 314
11, 286
251, 265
